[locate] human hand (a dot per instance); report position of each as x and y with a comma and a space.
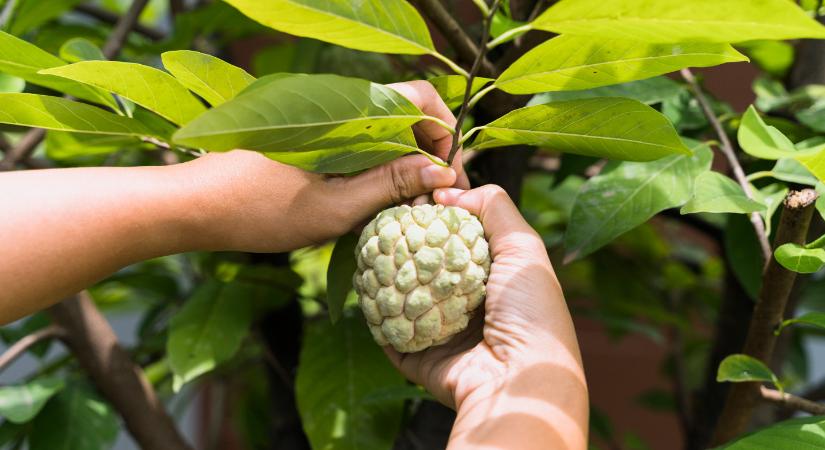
523, 347
260, 205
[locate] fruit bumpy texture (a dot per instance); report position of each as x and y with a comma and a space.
421, 274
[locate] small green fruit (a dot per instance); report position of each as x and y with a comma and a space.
421, 274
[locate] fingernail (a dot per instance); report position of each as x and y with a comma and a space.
443, 196
433, 176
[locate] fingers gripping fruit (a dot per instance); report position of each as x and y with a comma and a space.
421, 274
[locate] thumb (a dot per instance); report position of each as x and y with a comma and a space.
395, 182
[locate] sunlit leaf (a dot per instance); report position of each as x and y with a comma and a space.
567, 63
24, 60
385, 26
627, 194
677, 20
151, 88
215, 80
54, 113
340, 372
451, 88
286, 113
613, 128
716, 193
795, 434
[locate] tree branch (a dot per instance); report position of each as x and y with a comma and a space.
729, 152
119, 379
792, 401
767, 314
111, 18
25, 343
468, 91
111, 48
455, 35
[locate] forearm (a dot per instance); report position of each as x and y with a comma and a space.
543, 405
62, 230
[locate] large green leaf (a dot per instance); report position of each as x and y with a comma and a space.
806, 433
627, 194
215, 80
568, 63
648, 91
716, 193
151, 88
19, 404
679, 20
75, 419
285, 113
208, 330
743, 368
352, 158
384, 26
24, 60
54, 113
614, 128
341, 268
451, 88
340, 372
764, 141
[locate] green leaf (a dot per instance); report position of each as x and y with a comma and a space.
568, 63
815, 319
11, 84
29, 15
744, 254
802, 259
75, 419
80, 49
774, 57
208, 330
151, 88
791, 171
19, 404
627, 194
341, 268
451, 88
805, 433
587, 127
24, 60
340, 371
54, 113
648, 91
771, 196
716, 193
61, 145
302, 112
215, 80
743, 368
383, 26
763, 141
679, 21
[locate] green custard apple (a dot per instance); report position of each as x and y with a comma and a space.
421, 274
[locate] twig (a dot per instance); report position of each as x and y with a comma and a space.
791, 401
26, 342
455, 35
111, 18
767, 314
468, 91
729, 152
111, 48
95, 346
5, 14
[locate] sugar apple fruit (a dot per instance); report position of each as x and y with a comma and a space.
421, 274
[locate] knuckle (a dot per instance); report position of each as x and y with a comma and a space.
494, 192
402, 184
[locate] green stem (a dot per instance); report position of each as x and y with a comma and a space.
759, 175
469, 134
507, 35
440, 123
485, 10
451, 64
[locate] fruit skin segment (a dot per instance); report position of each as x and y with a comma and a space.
421, 274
